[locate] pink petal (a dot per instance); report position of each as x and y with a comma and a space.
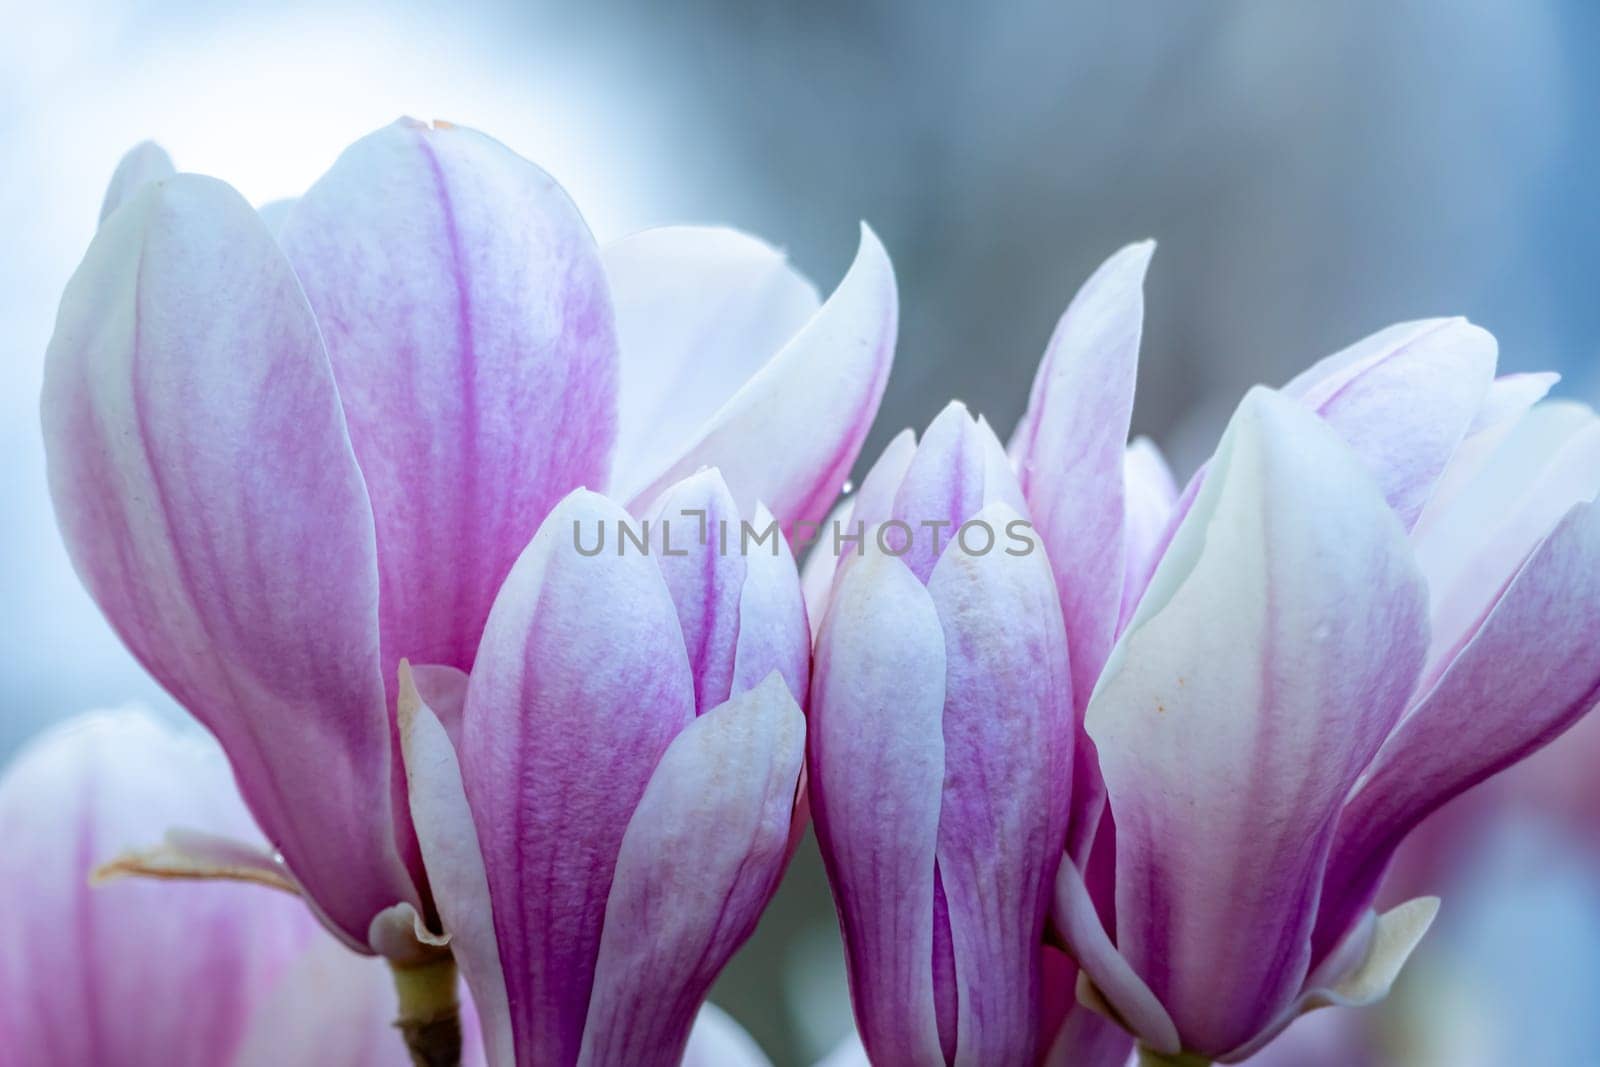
694, 532
456, 875
1071, 1035
1403, 399
821, 565
1529, 672
209, 497
1504, 408
774, 633
700, 310
1410, 399
1151, 505
1510, 396
1361, 973
337, 1009
1103, 966
134, 972
718, 1041
444, 691
874, 501
581, 683
1088, 1040
1008, 718
849, 1052
876, 771
701, 858
1272, 654
855, 518
1069, 452
275, 213
1149, 496
958, 468
1471, 548
788, 437
145, 162
467, 319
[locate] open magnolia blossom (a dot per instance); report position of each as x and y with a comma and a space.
100, 969
607, 804
1405, 584
1411, 558
142, 973
288, 452
1269, 659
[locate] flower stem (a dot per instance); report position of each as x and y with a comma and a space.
430, 1014
1152, 1058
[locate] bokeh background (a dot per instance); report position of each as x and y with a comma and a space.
1311, 172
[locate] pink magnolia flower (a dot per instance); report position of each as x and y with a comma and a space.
282, 461
1099, 510
941, 751
1440, 521
137, 972
1352, 619
1271, 656
608, 803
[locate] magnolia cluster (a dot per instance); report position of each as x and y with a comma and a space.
325, 466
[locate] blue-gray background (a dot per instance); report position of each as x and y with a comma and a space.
1311, 172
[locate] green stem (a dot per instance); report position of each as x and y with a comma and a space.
1152, 1058
430, 1014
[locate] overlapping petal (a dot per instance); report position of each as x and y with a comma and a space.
718, 1041
700, 310
1149, 498
774, 632
243, 577
943, 486
337, 1009
1360, 972
875, 764
1517, 685
467, 319
842, 538
1473, 544
449, 842
1069, 453
691, 529
701, 857
1404, 399
133, 972
144, 163
1238, 711
581, 683
788, 437
1008, 719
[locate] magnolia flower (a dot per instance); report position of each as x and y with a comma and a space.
1493, 498
136, 972
607, 805
1272, 723
941, 751
1099, 511
282, 462
1486, 490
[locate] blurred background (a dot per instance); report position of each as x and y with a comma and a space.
1311, 173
